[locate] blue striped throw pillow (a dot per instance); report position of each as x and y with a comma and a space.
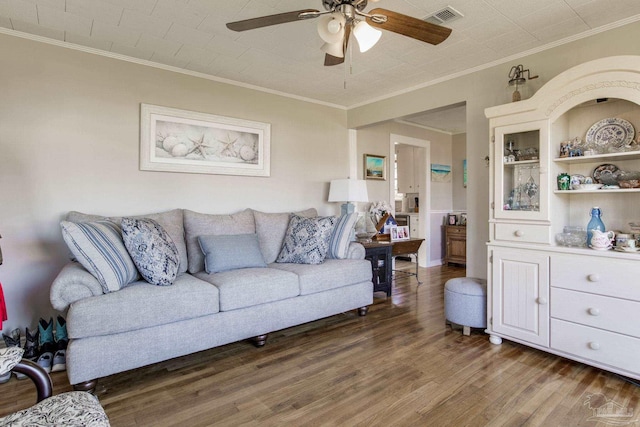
341, 237
99, 248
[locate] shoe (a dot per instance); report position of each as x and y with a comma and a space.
62, 340
46, 343
11, 340
31, 345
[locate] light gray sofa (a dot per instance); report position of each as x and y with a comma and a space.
142, 324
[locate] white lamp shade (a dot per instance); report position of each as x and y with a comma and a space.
333, 49
348, 190
366, 35
331, 27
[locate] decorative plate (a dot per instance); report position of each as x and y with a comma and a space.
605, 174
611, 132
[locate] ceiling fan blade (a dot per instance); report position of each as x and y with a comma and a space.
265, 21
409, 26
330, 60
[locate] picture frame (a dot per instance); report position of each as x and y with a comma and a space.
393, 232
375, 167
452, 219
463, 218
402, 232
174, 140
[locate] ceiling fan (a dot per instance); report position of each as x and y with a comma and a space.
341, 18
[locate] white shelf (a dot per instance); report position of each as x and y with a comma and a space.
522, 162
627, 155
608, 190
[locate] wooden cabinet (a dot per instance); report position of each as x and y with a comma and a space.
380, 256
575, 302
455, 238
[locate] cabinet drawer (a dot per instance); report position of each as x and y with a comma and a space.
612, 314
601, 346
525, 233
598, 275
456, 230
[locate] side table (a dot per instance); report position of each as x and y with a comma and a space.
380, 256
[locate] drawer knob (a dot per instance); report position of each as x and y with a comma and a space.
593, 277
519, 233
594, 345
594, 311
542, 301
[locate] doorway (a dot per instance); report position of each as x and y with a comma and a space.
410, 159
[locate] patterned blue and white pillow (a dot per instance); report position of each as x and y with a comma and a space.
307, 240
99, 248
152, 250
341, 236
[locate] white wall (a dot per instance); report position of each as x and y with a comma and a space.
69, 134
487, 88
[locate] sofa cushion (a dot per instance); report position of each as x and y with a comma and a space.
198, 224
306, 240
99, 248
171, 221
142, 305
252, 286
331, 274
271, 228
151, 249
230, 252
341, 236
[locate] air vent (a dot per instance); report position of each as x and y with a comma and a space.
443, 16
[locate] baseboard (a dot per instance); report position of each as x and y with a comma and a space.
435, 262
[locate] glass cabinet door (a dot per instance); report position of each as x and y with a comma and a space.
521, 176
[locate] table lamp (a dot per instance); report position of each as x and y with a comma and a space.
348, 190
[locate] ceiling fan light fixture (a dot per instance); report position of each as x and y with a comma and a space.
366, 35
331, 27
334, 49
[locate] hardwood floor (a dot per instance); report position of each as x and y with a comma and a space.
400, 365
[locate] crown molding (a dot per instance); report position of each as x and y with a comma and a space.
152, 64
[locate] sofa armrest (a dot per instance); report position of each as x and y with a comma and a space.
73, 284
356, 251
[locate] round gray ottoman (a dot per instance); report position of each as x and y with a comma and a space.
465, 303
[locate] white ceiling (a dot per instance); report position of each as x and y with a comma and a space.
191, 34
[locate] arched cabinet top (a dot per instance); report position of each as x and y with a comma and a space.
611, 77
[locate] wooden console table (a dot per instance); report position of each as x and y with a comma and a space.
407, 247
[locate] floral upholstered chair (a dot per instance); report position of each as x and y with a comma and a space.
73, 408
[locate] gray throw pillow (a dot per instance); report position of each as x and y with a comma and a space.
307, 240
152, 250
99, 248
230, 252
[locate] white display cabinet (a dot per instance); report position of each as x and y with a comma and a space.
570, 301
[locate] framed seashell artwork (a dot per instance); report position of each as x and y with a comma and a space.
173, 140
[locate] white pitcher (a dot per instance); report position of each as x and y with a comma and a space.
602, 239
